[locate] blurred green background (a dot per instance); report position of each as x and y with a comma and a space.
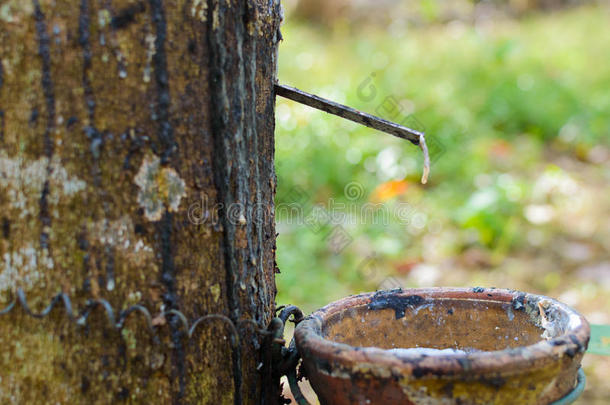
514, 97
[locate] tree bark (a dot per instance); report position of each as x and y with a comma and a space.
136, 167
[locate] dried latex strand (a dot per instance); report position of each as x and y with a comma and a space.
424, 148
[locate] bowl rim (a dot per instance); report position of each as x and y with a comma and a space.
313, 346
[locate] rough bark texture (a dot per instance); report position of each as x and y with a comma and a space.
136, 166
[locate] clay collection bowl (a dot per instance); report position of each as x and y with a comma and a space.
508, 347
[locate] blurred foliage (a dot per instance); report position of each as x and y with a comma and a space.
495, 101
517, 116
416, 11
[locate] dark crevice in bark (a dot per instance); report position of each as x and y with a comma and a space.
116, 49
164, 227
47, 87
221, 168
253, 261
83, 245
241, 159
1, 110
33, 117
94, 136
165, 132
266, 59
224, 159
6, 228
44, 51
235, 142
241, 176
170, 300
247, 102
127, 15
45, 218
257, 217
83, 39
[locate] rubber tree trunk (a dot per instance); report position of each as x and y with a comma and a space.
136, 166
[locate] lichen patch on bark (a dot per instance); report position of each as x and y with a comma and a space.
160, 188
22, 182
21, 268
12, 10
215, 291
199, 10
150, 52
23, 262
131, 253
120, 235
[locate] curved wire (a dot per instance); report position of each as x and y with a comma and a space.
135, 309
211, 317
255, 326
233, 327
291, 374
61, 296
235, 349
297, 314
8, 308
93, 303
119, 323
295, 389
181, 317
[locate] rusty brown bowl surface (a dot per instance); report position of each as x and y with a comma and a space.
518, 348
